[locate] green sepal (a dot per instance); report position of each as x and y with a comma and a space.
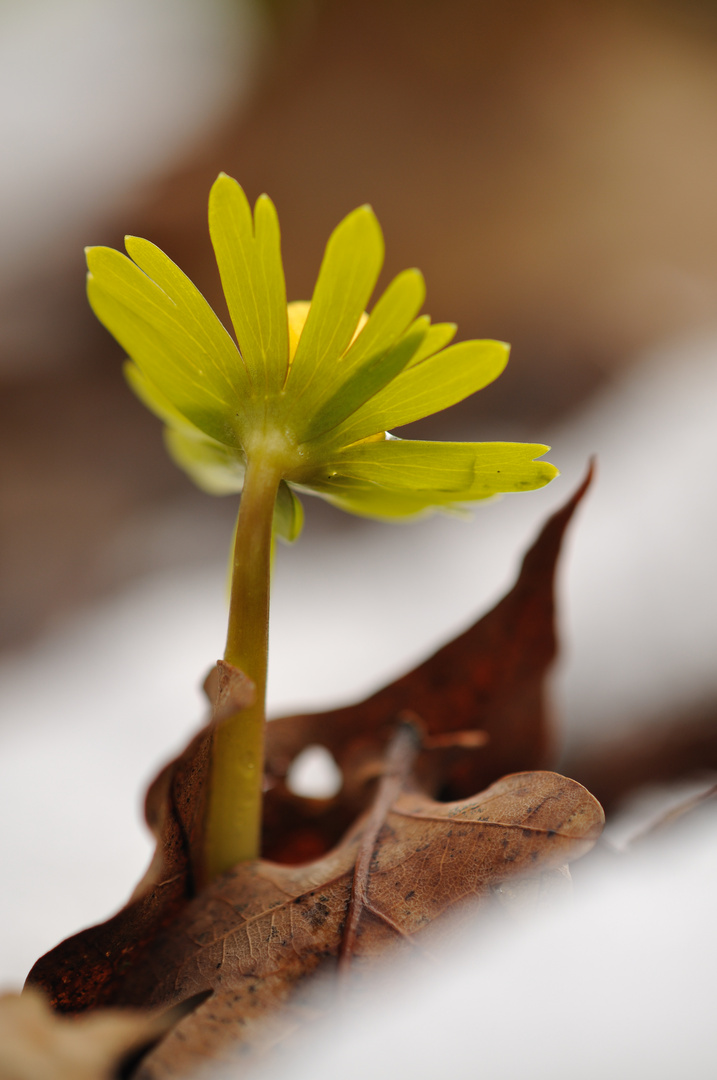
288, 514
212, 466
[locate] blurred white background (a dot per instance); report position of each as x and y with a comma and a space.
96, 98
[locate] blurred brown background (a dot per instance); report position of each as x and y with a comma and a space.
548, 164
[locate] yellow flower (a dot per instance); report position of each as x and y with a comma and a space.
312, 386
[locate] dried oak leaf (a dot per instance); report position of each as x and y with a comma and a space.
36, 1044
254, 935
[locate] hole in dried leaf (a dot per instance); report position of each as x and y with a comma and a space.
314, 774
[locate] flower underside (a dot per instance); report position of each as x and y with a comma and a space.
313, 388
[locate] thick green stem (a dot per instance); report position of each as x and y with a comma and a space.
233, 823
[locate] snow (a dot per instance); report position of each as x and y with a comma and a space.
617, 984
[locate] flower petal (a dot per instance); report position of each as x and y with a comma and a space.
371, 501
349, 271
197, 317
372, 360
177, 341
212, 466
248, 255
427, 387
455, 472
437, 337
155, 401
365, 382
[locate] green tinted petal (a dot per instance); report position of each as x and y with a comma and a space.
506, 466
288, 514
213, 467
367, 381
400, 465
155, 401
422, 389
460, 471
197, 317
372, 501
371, 361
438, 337
248, 255
195, 366
349, 271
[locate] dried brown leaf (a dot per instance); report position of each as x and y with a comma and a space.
36, 1044
254, 935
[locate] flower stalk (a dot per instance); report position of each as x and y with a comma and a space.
233, 822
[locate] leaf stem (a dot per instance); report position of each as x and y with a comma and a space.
233, 823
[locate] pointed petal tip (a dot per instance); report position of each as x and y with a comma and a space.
93, 253
264, 205
504, 347
223, 180
365, 211
91, 250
